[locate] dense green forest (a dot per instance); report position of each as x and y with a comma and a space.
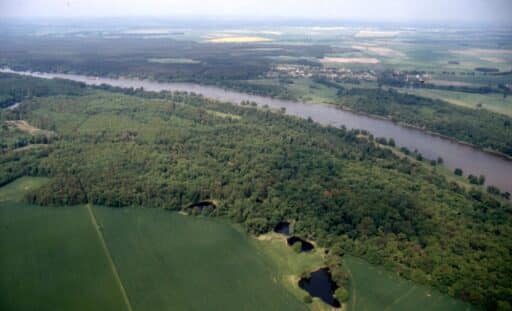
15, 89
169, 150
233, 66
213, 63
479, 127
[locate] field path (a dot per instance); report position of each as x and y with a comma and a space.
109, 257
401, 297
353, 287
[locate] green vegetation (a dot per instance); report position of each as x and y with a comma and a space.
373, 288
14, 88
51, 257
493, 102
54, 255
351, 196
171, 261
482, 128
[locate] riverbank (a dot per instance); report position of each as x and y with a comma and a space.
455, 155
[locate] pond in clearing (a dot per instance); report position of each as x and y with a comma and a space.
320, 284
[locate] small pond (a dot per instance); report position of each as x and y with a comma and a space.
305, 246
320, 284
283, 227
203, 206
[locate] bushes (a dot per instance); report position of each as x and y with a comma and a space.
477, 126
262, 167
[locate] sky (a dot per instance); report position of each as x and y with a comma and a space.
486, 11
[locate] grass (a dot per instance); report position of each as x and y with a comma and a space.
170, 261
51, 257
290, 265
492, 102
15, 190
373, 288
83, 258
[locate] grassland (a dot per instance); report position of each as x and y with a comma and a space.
167, 261
290, 265
373, 288
164, 260
51, 257
493, 102
170, 261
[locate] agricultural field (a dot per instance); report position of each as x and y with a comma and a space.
141, 261
51, 255
158, 259
492, 102
373, 288
117, 165
170, 261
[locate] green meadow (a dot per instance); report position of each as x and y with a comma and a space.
492, 102
373, 288
85, 258
51, 257
176, 262
161, 260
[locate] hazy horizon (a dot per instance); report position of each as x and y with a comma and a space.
456, 11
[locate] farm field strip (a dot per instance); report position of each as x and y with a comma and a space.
109, 257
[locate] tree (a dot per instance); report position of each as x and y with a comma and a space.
458, 172
493, 190
307, 299
297, 246
481, 180
473, 180
503, 306
341, 294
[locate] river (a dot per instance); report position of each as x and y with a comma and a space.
497, 170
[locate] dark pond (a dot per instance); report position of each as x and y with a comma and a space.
472, 161
305, 246
203, 206
320, 284
283, 228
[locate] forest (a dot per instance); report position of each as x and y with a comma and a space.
169, 150
480, 127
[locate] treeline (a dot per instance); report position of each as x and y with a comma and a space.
131, 57
391, 78
15, 88
271, 90
482, 128
343, 191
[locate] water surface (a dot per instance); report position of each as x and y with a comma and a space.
320, 284
497, 170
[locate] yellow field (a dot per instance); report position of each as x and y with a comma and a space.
350, 60
24, 126
375, 33
238, 40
